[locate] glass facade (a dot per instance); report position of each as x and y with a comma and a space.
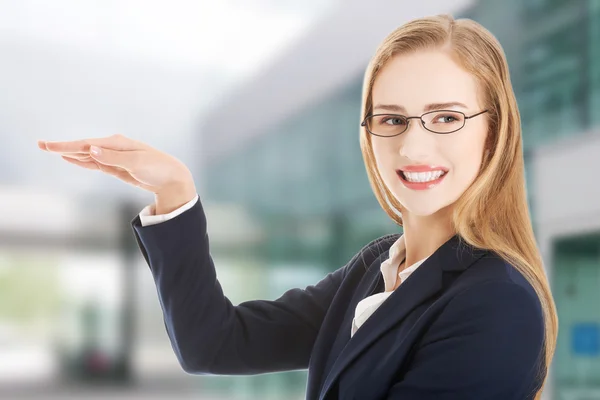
559, 97
554, 92
575, 288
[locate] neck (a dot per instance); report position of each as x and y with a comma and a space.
423, 235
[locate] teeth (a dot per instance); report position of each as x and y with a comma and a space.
422, 176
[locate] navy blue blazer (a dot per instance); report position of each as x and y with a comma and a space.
464, 325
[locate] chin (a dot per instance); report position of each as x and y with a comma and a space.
421, 211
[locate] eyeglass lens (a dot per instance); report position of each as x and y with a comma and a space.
437, 121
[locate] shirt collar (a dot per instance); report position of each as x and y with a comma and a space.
389, 267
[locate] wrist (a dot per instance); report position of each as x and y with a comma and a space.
171, 197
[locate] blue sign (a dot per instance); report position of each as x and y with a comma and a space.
585, 339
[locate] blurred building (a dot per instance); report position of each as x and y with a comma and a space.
559, 96
284, 148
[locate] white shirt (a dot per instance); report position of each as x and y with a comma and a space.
367, 306
148, 217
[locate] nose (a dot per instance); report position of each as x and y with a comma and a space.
416, 142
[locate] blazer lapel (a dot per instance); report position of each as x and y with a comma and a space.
321, 362
424, 282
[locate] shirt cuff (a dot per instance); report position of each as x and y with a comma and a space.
148, 217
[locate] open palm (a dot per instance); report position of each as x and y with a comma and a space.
131, 161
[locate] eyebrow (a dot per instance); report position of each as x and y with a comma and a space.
428, 107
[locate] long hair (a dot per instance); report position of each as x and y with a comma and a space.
492, 213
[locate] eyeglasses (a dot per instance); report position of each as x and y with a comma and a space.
438, 121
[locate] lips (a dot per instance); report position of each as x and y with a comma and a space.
415, 184
423, 168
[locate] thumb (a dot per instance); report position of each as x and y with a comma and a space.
126, 159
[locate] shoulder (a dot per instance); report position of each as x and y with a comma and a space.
500, 310
496, 316
504, 296
491, 334
492, 271
493, 294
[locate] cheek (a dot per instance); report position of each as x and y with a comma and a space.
378, 148
384, 158
467, 160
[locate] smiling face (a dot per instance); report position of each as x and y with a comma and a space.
410, 85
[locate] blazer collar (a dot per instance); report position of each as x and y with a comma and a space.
389, 268
424, 282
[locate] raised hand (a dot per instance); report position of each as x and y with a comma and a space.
133, 162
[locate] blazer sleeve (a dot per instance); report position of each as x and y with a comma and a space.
486, 344
207, 332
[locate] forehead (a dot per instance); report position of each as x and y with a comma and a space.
416, 79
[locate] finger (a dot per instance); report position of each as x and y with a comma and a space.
92, 164
126, 160
114, 171
122, 175
42, 145
83, 164
78, 156
116, 142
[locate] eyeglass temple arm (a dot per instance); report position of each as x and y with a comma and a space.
474, 115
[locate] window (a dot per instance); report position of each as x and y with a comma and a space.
554, 95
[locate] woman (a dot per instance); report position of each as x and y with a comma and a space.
457, 307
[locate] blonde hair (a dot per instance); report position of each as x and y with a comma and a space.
492, 213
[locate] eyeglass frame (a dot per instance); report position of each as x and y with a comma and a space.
364, 122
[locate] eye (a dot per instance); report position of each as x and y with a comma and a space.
393, 121
446, 119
